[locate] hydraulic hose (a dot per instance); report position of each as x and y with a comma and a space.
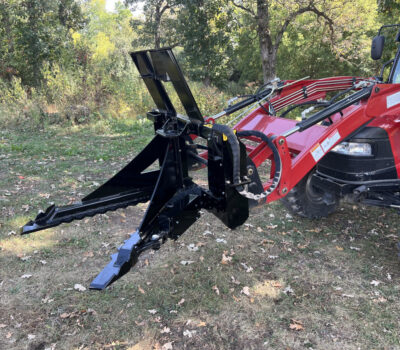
278, 165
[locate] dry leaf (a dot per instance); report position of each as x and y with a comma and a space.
215, 289
8, 335
276, 284
31, 336
186, 262
226, 259
167, 346
26, 276
245, 291
248, 268
180, 302
192, 247
201, 324
141, 290
375, 283
339, 248
188, 333
296, 325
79, 287
165, 330
64, 315
234, 280
153, 311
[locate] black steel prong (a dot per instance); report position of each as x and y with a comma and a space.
120, 263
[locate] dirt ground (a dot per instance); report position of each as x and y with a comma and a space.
277, 282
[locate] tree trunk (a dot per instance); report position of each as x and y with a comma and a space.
267, 49
157, 24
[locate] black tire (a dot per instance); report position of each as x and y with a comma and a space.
310, 202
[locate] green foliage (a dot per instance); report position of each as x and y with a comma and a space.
33, 32
67, 61
206, 27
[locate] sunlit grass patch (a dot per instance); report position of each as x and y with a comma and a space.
19, 245
268, 289
17, 222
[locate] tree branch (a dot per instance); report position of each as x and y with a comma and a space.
165, 8
292, 16
244, 8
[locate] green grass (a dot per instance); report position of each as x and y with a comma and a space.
332, 298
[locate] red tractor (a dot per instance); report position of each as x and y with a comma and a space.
345, 142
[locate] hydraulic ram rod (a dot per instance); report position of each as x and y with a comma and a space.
330, 110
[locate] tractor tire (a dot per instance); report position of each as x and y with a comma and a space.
309, 202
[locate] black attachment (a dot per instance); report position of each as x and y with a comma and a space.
174, 199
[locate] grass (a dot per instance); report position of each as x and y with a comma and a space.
281, 271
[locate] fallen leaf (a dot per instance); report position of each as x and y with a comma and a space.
79, 287
188, 333
186, 262
26, 258
248, 268
296, 325
348, 295
64, 315
153, 311
339, 248
234, 280
288, 290
192, 247
26, 276
8, 335
165, 330
2, 325
215, 289
226, 259
375, 283
141, 290
201, 324
167, 346
245, 291
221, 240
31, 336
88, 254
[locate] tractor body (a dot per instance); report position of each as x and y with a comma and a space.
345, 142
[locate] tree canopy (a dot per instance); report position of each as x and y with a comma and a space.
77, 52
